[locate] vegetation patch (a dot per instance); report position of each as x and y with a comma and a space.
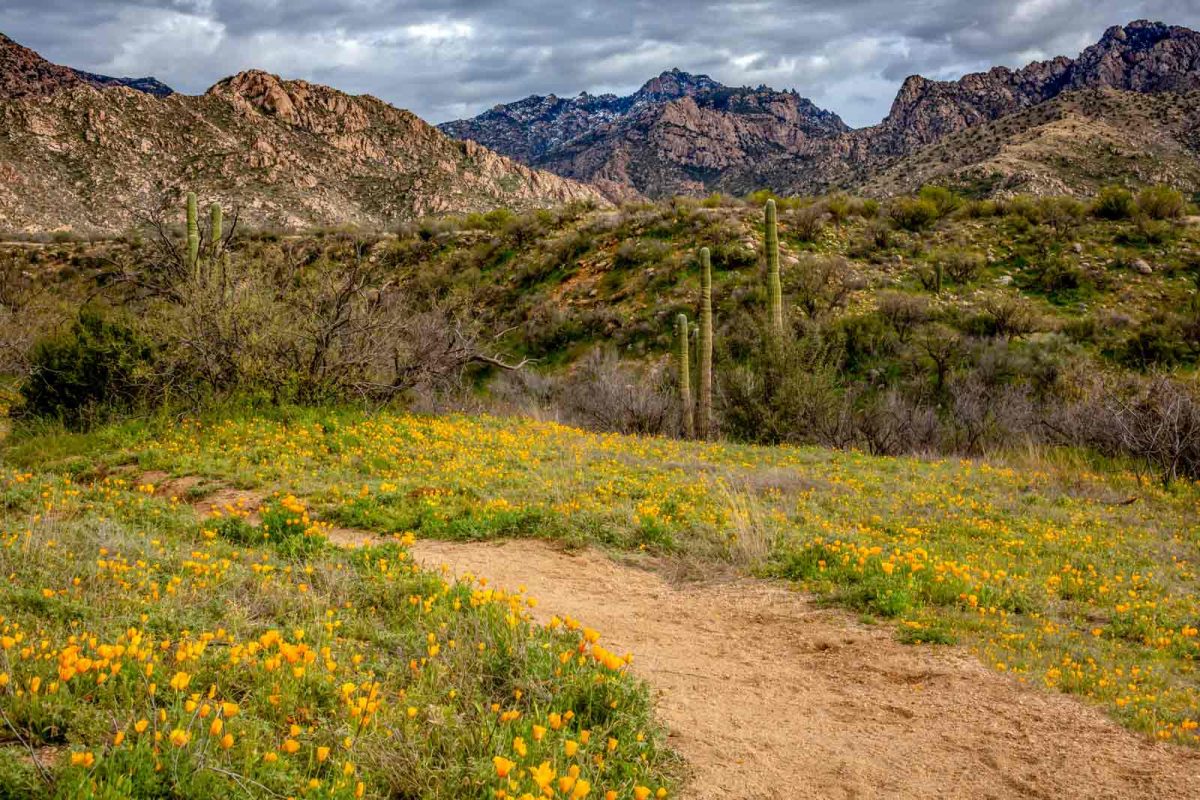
143, 654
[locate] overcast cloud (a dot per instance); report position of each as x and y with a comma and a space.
446, 59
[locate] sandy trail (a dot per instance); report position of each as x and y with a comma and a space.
768, 696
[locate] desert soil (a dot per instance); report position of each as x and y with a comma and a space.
768, 696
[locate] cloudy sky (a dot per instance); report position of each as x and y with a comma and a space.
446, 59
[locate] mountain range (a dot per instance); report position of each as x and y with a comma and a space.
92, 153
683, 133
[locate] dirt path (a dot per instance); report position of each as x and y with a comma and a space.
767, 696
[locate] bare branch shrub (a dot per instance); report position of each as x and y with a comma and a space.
603, 393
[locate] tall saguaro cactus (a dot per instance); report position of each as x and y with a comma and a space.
215, 223
775, 284
704, 423
685, 378
193, 234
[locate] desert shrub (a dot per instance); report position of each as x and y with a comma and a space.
945, 201
1154, 420
786, 391
633, 253
892, 424
1022, 209
904, 312
1151, 231
603, 393
960, 265
98, 365
1007, 316
27, 311
838, 206
865, 207
1057, 274
1113, 203
819, 284
806, 223
912, 214
1160, 202
876, 235
981, 209
1159, 342
984, 415
1062, 214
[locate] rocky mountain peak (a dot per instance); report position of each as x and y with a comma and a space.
677, 131
673, 84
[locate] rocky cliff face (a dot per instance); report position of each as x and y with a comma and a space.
24, 73
677, 134
286, 153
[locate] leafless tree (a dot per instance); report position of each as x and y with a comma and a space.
605, 394
1158, 421
25, 312
903, 312
819, 284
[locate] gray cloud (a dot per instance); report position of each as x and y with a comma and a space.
451, 58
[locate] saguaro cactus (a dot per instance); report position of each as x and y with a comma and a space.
193, 233
215, 220
704, 426
685, 378
774, 284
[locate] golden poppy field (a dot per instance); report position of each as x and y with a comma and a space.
149, 651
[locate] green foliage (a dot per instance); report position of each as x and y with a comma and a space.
912, 214
1161, 202
97, 366
944, 200
1113, 203
784, 391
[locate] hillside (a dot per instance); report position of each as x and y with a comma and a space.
285, 153
1073, 144
24, 73
710, 138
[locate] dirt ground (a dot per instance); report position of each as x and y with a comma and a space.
768, 696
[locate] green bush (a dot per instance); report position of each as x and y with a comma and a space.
1160, 202
1113, 202
98, 365
912, 214
945, 201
